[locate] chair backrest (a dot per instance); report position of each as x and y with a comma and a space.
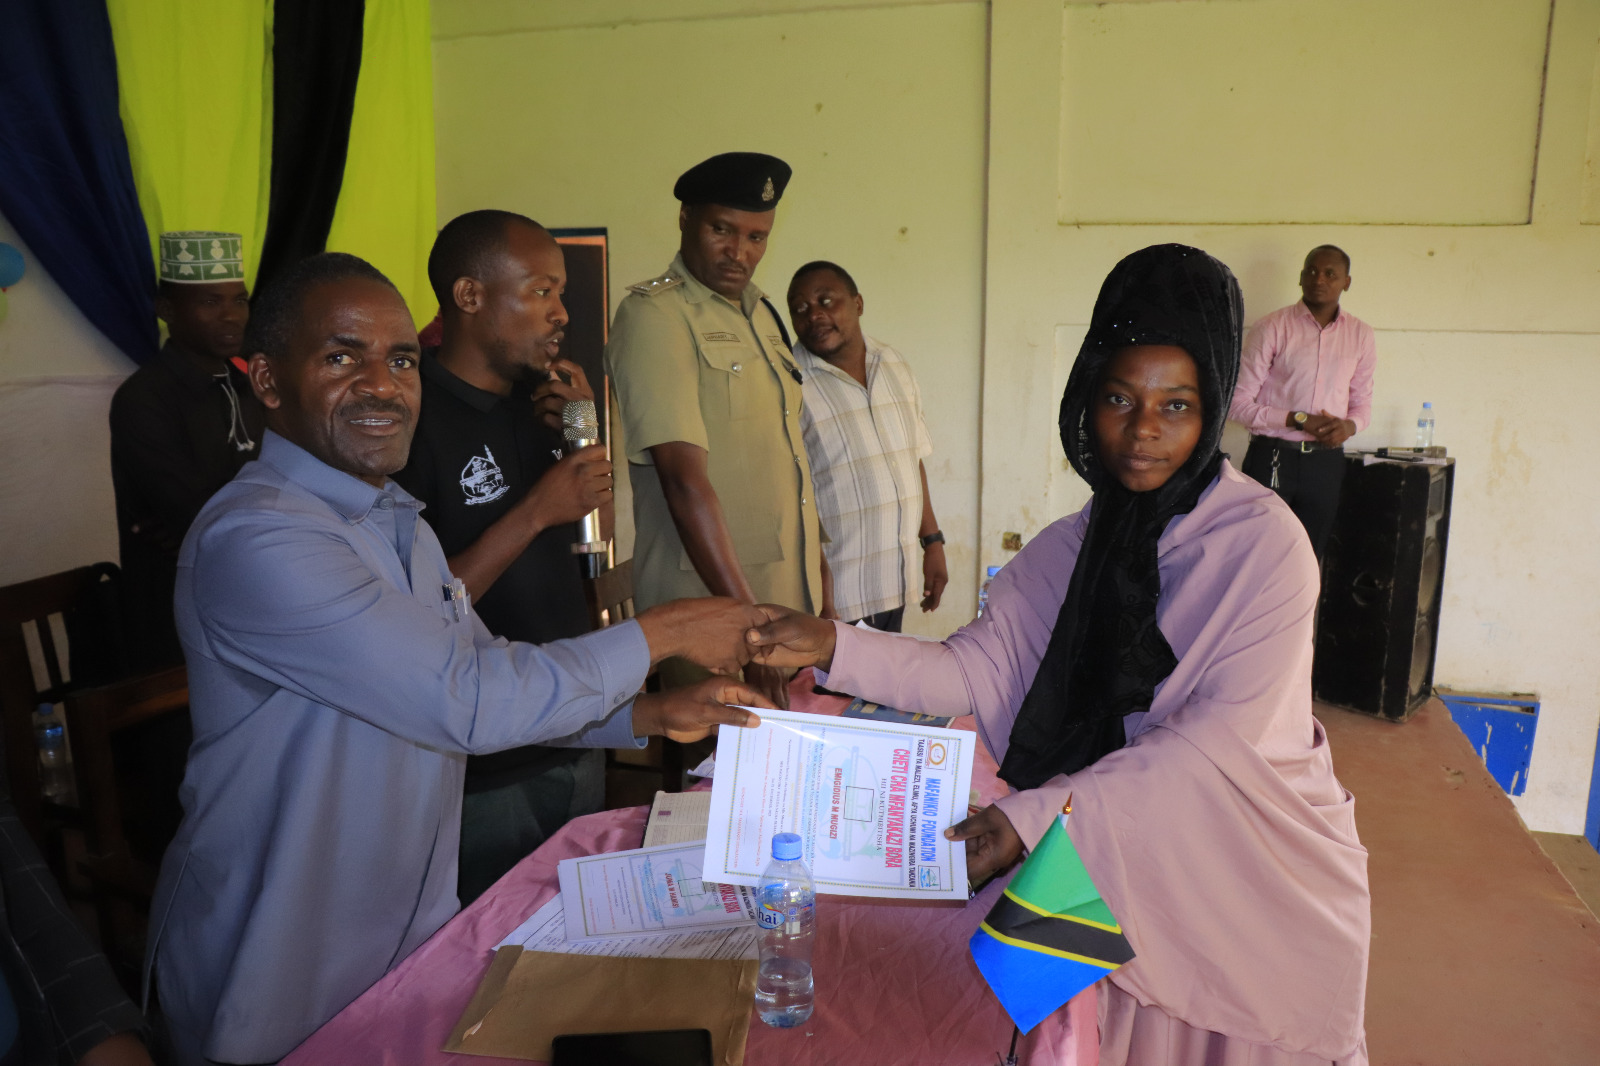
94, 716
610, 595
83, 603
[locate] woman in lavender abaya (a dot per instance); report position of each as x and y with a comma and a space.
1151, 657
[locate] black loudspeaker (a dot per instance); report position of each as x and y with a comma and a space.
1382, 583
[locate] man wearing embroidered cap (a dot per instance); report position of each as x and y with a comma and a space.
710, 402
181, 426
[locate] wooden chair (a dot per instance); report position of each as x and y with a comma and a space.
610, 595
124, 845
610, 599
83, 602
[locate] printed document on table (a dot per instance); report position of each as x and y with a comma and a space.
547, 931
870, 800
647, 890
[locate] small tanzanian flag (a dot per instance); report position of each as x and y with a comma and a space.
1050, 936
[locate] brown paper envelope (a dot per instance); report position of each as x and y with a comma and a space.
530, 997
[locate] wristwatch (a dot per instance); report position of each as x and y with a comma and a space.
1300, 418
936, 537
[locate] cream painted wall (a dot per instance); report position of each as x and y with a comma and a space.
57, 374
1498, 325
880, 110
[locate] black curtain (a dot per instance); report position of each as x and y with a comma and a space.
316, 59
65, 180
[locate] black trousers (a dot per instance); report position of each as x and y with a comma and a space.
1308, 482
887, 621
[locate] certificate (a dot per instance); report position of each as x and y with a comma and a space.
870, 800
647, 890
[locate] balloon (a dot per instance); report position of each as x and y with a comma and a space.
11, 266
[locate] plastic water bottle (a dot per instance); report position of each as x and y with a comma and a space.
983, 589
784, 988
55, 780
1425, 426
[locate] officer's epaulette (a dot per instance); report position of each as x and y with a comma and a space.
657, 286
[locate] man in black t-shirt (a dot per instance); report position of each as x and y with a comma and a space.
488, 459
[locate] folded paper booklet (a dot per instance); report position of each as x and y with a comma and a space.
677, 818
877, 712
530, 997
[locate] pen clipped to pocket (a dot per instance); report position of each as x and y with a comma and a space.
456, 600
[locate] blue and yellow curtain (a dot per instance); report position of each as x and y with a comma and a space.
302, 124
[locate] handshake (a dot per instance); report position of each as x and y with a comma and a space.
724, 636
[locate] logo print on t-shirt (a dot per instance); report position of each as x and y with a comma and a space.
481, 479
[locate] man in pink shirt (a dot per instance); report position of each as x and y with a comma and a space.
1305, 387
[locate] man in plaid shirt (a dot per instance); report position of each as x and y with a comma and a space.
866, 440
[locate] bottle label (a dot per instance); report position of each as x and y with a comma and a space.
770, 917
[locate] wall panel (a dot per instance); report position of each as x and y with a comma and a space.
1263, 111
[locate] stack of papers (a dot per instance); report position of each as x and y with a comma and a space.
870, 799
649, 902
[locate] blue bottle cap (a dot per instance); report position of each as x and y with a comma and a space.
1429, 406
786, 846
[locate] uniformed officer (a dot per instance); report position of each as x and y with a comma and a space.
710, 402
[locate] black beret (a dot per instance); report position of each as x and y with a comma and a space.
745, 181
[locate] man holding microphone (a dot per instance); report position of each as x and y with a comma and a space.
489, 462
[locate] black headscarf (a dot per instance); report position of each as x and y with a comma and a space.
1106, 654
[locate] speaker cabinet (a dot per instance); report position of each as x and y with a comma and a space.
1382, 583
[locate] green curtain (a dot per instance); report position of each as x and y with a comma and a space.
196, 88
386, 212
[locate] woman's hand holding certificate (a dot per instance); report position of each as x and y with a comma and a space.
993, 845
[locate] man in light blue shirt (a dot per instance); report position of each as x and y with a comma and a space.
337, 684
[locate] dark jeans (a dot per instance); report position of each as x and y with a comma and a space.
887, 621
1308, 482
502, 823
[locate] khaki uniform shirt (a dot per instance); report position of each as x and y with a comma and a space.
690, 365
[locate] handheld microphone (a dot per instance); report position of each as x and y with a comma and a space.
581, 427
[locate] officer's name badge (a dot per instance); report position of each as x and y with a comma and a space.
719, 337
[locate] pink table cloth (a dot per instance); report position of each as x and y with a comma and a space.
895, 984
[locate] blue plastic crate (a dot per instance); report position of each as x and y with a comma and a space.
1591, 826
1500, 727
